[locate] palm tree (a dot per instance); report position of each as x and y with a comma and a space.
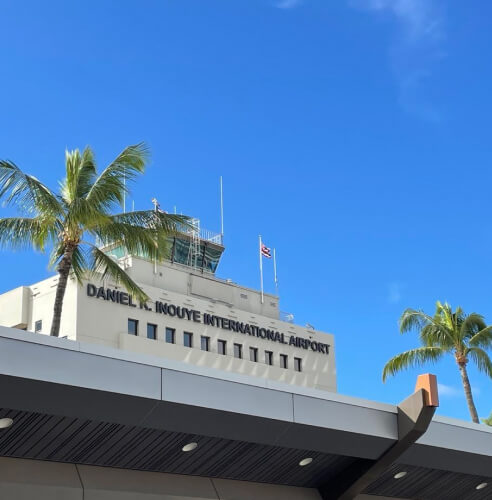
81, 213
488, 421
466, 337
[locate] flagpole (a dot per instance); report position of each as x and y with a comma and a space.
261, 268
275, 270
156, 204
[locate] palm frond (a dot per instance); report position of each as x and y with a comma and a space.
482, 339
105, 266
81, 213
56, 254
27, 192
410, 359
169, 223
412, 319
136, 240
435, 335
111, 185
145, 233
80, 174
471, 325
25, 232
481, 359
80, 264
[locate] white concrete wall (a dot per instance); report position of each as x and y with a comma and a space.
42, 301
91, 319
184, 280
14, 307
34, 479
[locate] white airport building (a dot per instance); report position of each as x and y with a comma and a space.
205, 392
192, 316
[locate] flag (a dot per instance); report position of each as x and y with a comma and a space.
265, 251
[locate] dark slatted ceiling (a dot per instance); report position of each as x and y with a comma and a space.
430, 484
62, 439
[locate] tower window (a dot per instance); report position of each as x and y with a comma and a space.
188, 339
132, 326
298, 364
253, 354
205, 343
284, 361
269, 357
238, 351
221, 346
170, 335
38, 326
151, 331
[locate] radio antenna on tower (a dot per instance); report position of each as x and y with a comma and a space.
221, 210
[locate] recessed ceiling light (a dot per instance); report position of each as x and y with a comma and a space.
481, 486
5, 422
305, 461
401, 474
189, 447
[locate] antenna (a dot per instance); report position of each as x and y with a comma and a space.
221, 209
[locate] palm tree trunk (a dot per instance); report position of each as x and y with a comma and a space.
468, 392
63, 272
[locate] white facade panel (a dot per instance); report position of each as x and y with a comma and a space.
228, 327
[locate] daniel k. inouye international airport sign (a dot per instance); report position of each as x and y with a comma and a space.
120, 297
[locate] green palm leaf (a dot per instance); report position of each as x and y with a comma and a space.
105, 266
26, 232
411, 359
111, 186
481, 359
28, 194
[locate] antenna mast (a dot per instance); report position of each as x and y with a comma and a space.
221, 211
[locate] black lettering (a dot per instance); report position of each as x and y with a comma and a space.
196, 316
262, 333
124, 298
293, 340
91, 290
100, 293
171, 310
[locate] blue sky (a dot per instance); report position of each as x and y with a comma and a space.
353, 135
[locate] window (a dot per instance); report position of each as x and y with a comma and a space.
170, 335
238, 351
298, 364
284, 361
253, 354
205, 342
151, 331
269, 357
221, 346
188, 339
38, 326
132, 326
